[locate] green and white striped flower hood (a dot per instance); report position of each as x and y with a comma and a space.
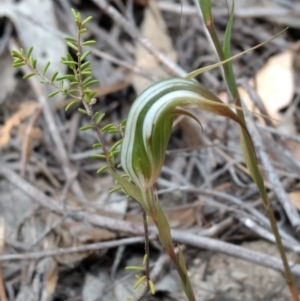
149, 124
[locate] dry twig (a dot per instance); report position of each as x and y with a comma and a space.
127, 227
173, 68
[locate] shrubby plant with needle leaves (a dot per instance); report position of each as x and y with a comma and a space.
142, 143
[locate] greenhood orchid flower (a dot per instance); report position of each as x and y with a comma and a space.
149, 124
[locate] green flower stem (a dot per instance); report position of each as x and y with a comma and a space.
289, 277
250, 156
147, 254
150, 208
164, 232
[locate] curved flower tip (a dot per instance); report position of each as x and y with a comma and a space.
149, 124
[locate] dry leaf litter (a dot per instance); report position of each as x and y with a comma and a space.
204, 186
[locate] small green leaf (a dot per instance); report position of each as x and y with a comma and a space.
74, 13
87, 79
53, 94
145, 259
70, 57
71, 104
140, 281
78, 17
88, 19
114, 131
34, 61
71, 77
71, 64
71, 39
84, 55
100, 118
86, 127
82, 111
73, 91
112, 159
18, 64
74, 83
90, 42
152, 287
54, 76
18, 60
123, 123
89, 93
29, 52
96, 145
46, 68
16, 54
61, 77
85, 65
95, 115
90, 83
107, 127
101, 169
71, 45
87, 69
86, 72
115, 152
115, 145
98, 156
26, 76
83, 30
